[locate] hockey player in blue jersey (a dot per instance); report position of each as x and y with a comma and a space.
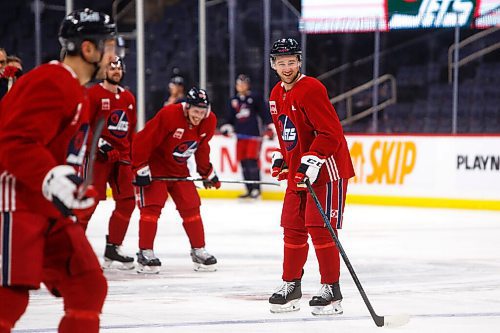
250, 121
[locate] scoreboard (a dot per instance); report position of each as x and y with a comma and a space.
326, 16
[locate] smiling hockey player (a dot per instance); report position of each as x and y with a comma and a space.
162, 148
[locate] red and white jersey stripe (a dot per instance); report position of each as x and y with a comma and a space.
333, 171
7, 192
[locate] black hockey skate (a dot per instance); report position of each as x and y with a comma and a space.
113, 253
253, 194
287, 297
203, 261
147, 263
328, 301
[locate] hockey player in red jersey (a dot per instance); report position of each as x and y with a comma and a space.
312, 146
162, 148
117, 106
43, 139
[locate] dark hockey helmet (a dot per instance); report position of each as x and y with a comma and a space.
285, 46
177, 79
85, 24
243, 78
118, 62
198, 97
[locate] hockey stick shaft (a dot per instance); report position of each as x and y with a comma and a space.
379, 320
89, 177
188, 179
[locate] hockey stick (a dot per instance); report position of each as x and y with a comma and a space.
190, 179
82, 189
387, 321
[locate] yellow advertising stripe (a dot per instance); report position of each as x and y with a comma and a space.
423, 202
370, 200
377, 200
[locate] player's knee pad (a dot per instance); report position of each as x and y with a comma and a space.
295, 236
150, 213
85, 293
321, 237
125, 207
13, 303
190, 215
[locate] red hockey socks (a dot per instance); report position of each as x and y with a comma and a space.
294, 253
148, 224
327, 254
118, 223
13, 303
84, 297
193, 225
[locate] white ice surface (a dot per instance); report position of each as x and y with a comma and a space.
442, 267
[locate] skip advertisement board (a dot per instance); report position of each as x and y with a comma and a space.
431, 171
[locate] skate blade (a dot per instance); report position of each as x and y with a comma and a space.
148, 269
204, 268
333, 308
288, 307
123, 266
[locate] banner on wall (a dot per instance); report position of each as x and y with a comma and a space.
329, 16
419, 167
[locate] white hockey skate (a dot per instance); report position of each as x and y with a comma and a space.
147, 262
287, 297
203, 261
328, 301
115, 258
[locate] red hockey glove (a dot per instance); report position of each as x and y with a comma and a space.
212, 180
107, 152
279, 169
227, 130
270, 132
142, 176
310, 165
60, 186
11, 72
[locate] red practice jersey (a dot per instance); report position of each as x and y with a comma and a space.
119, 112
168, 140
307, 122
43, 123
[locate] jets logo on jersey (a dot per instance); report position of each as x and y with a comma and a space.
184, 151
118, 123
243, 112
288, 132
78, 146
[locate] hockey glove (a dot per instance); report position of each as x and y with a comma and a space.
60, 186
212, 180
11, 72
270, 132
310, 165
142, 176
279, 169
107, 152
227, 130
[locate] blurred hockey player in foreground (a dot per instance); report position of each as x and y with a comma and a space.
162, 148
312, 146
116, 105
44, 125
